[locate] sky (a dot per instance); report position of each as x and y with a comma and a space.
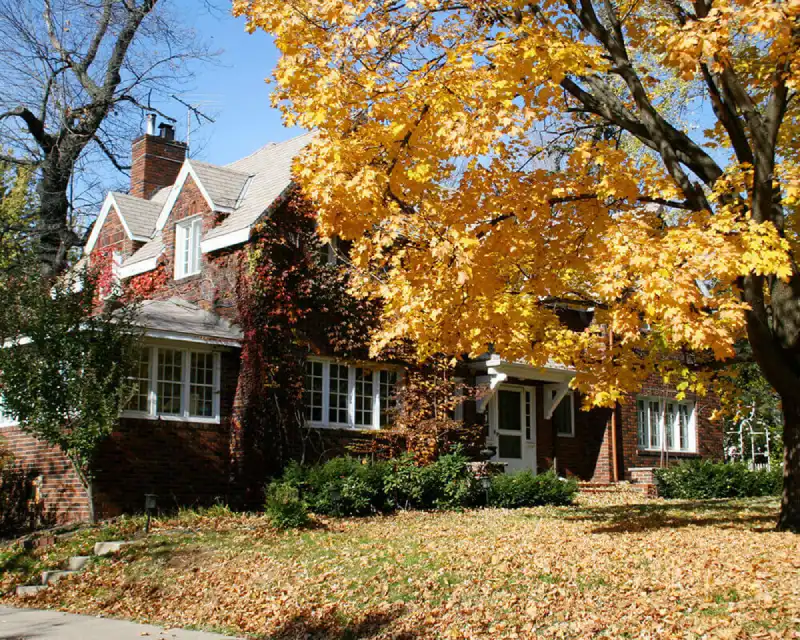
233, 90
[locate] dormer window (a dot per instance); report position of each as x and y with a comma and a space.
187, 247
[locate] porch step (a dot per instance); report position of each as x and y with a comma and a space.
29, 590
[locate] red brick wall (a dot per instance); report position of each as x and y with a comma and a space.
709, 432
214, 288
183, 463
61, 490
113, 236
155, 164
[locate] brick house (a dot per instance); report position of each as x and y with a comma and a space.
181, 233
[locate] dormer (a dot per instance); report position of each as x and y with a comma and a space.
211, 207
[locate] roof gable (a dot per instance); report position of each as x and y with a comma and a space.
137, 217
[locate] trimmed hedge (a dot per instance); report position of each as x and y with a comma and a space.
704, 479
524, 489
348, 486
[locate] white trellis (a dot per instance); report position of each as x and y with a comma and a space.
749, 441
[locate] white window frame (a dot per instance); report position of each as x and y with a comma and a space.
5, 419
185, 231
661, 445
326, 423
186, 361
569, 397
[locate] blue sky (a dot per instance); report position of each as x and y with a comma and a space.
233, 90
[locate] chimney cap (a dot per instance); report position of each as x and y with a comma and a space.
166, 131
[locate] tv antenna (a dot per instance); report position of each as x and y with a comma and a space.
194, 110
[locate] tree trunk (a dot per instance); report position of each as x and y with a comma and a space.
789, 519
55, 236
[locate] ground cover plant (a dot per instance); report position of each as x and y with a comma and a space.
699, 479
615, 567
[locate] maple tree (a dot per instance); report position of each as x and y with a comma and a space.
494, 160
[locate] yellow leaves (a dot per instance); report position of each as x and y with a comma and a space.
765, 252
476, 198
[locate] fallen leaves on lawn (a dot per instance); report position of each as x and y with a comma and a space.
610, 567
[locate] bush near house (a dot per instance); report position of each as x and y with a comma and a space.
524, 489
284, 507
348, 486
701, 479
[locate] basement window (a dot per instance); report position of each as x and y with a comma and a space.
176, 384
349, 397
187, 247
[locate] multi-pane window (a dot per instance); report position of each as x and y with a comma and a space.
363, 397
665, 424
338, 394
564, 416
654, 413
140, 380
684, 419
387, 396
169, 382
182, 383
349, 396
187, 247
312, 394
201, 385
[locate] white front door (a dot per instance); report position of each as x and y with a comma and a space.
512, 427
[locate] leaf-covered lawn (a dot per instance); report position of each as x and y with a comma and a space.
642, 570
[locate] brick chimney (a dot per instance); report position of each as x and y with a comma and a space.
157, 159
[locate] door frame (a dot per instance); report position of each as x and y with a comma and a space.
527, 431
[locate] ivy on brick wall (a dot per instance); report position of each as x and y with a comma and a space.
292, 303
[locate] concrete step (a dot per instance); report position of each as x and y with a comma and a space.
76, 563
51, 577
109, 548
29, 590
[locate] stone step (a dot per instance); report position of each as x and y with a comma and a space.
76, 563
29, 590
109, 548
51, 577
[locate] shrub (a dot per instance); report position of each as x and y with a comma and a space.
342, 486
447, 483
524, 489
284, 507
450, 483
703, 479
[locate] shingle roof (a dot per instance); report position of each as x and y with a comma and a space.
248, 186
223, 185
140, 215
271, 168
150, 250
177, 316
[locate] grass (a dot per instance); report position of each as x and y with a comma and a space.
608, 567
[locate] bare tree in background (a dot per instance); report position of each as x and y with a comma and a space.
75, 76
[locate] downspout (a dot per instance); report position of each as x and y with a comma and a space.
614, 462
